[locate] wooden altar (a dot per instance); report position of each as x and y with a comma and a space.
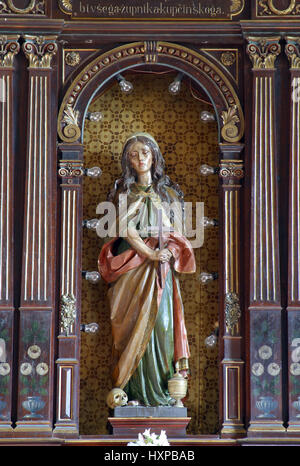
60, 61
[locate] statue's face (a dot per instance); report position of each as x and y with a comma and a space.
140, 157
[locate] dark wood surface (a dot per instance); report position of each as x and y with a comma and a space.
27, 215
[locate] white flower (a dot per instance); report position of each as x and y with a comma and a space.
163, 438
141, 440
149, 440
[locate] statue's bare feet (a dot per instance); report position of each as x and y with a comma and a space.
133, 403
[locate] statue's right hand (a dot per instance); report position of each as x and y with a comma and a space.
163, 255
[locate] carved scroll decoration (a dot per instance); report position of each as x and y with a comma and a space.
263, 51
232, 114
39, 50
292, 50
268, 8
65, 6
34, 7
230, 120
70, 169
231, 172
9, 47
71, 131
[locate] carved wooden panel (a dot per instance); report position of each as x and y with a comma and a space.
292, 50
9, 47
265, 296
37, 317
70, 171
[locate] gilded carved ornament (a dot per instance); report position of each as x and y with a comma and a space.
228, 58
230, 120
65, 6
67, 313
72, 58
39, 50
237, 7
233, 119
9, 47
71, 130
292, 50
232, 311
263, 52
33, 7
231, 171
70, 169
268, 8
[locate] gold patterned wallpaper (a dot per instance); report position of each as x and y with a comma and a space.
186, 142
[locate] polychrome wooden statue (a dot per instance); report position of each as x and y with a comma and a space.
141, 265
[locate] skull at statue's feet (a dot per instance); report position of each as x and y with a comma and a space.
116, 397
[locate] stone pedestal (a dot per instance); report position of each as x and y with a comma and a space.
129, 421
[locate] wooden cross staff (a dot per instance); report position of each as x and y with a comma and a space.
160, 229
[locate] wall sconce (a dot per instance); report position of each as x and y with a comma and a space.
125, 86
206, 116
174, 87
92, 277
93, 327
206, 170
206, 277
90, 224
94, 116
94, 172
212, 339
209, 222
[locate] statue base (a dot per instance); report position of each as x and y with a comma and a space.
129, 421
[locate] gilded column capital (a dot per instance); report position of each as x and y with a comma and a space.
231, 172
263, 52
292, 50
69, 169
39, 50
9, 47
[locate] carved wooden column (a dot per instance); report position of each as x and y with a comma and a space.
231, 173
265, 297
292, 50
37, 306
67, 365
9, 47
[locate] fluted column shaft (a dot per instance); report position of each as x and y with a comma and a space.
37, 303
231, 174
266, 404
9, 47
292, 50
70, 172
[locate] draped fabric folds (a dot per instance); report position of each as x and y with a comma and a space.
147, 317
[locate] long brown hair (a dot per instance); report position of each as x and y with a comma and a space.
159, 179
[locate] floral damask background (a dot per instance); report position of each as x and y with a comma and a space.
186, 142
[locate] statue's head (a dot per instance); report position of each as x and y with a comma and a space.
116, 397
143, 142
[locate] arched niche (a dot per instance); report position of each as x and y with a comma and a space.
222, 93
212, 79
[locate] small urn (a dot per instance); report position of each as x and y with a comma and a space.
177, 386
